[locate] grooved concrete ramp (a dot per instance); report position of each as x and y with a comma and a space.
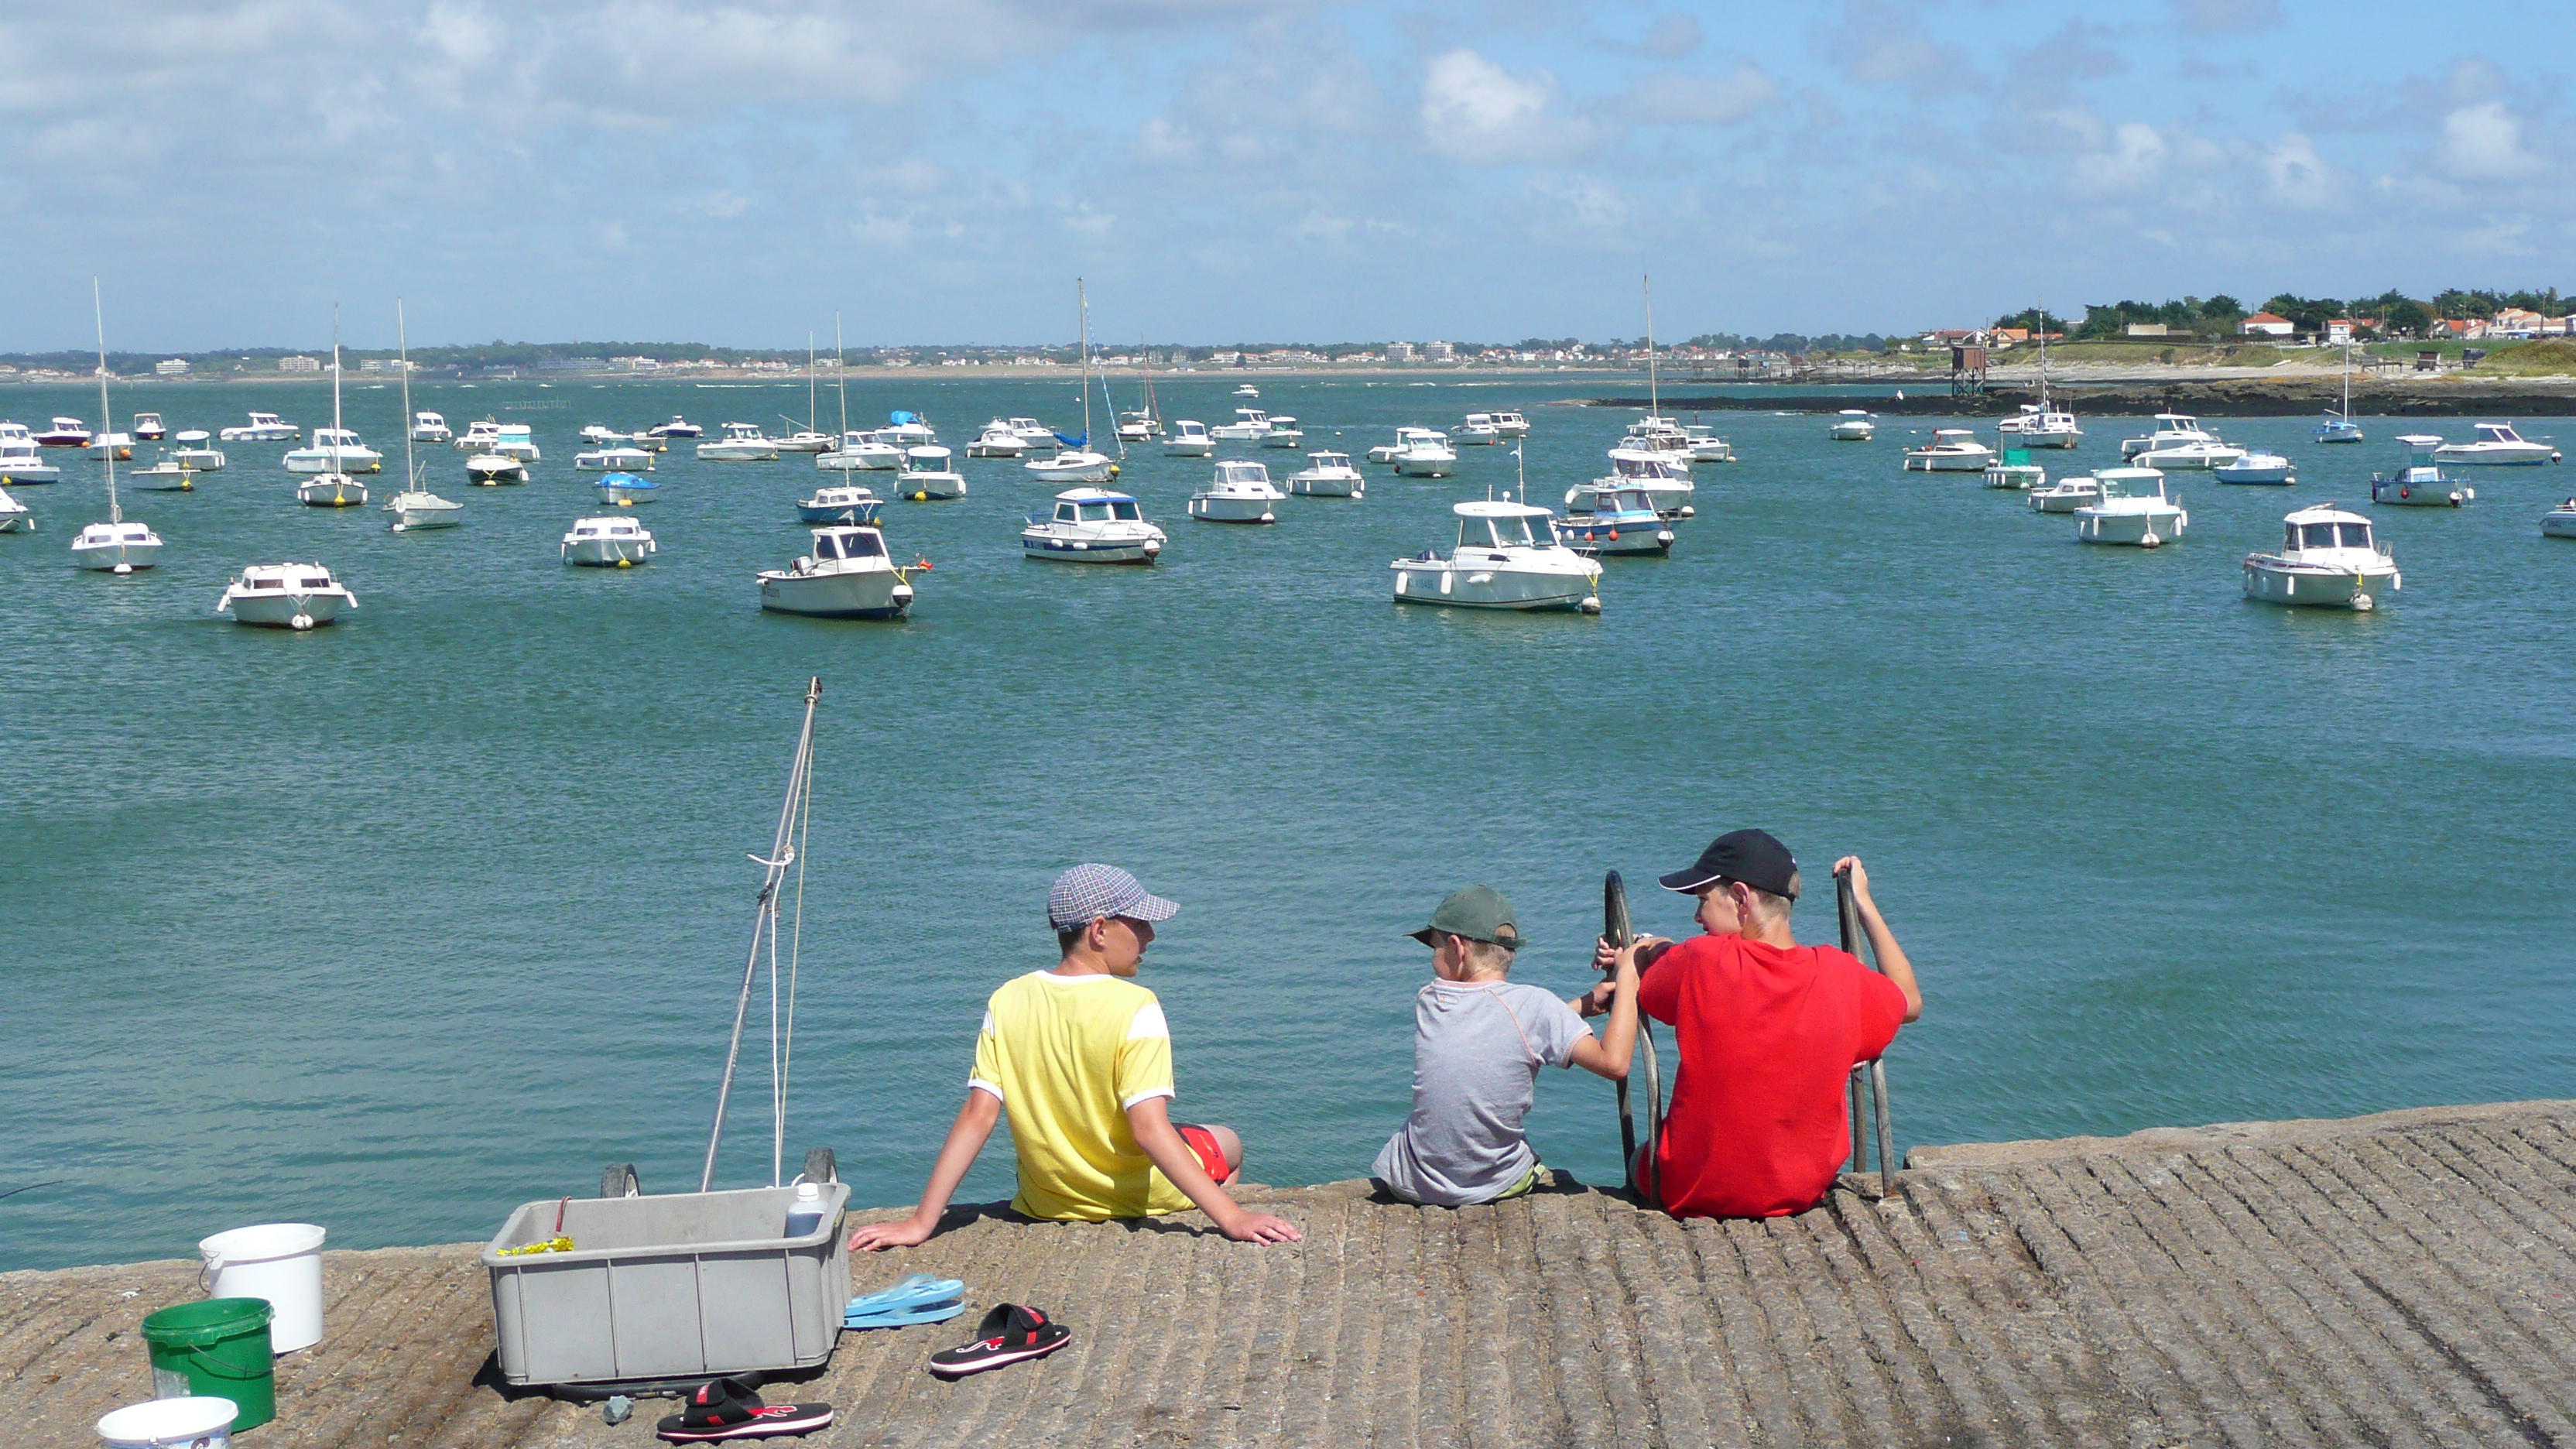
2403, 1279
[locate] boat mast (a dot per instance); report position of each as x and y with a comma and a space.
335, 388
106, 426
841, 380
1082, 304
2043, 359
1654, 395
809, 380
402, 351
2347, 382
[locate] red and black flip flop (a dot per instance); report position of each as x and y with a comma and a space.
729, 1409
1007, 1335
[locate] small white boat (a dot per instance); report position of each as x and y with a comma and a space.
2339, 427
1284, 433
2418, 481
286, 596
14, 515
613, 541
164, 476
2497, 446
2172, 430
647, 442
1328, 475
1240, 493
1139, 426
1188, 439
192, 452
102, 444
2015, 471
741, 443
1247, 390
1604, 519
262, 428
2269, 469
1426, 454
1706, 446
68, 433
601, 435
330, 490
119, 546
22, 462
998, 440
1852, 425
804, 440
677, 427
2133, 509
479, 436
491, 470
2038, 425
1250, 425
431, 428
2065, 495
1952, 450
2327, 560
515, 440
908, 430
1510, 424
335, 450
1032, 432
1093, 525
624, 490
841, 503
847, 576
1073, 465
1477, 431
148, 428
928, 475
620, 459
1665, 478
860, 452
416, 508
2559, 522
1498, 564
2211, 454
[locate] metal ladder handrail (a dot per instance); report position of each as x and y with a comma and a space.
1872, 1072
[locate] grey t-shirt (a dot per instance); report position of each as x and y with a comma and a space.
1477, 1048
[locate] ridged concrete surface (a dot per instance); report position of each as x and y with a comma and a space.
2395, 1280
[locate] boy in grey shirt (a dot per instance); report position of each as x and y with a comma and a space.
1478, 1042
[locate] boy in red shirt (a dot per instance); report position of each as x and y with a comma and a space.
1768, 1032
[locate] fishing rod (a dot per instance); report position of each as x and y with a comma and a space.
1617, 931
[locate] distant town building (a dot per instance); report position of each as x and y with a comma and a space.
171, 367
2158, 329
299, 364
385, 364
2340, 329
1399, 352
1439, 352
2265, 324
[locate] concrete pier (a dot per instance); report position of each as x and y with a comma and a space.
2404, 1279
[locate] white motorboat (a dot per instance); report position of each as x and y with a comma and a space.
741, 443
1093, 525
479, 436
601, 435
1706, 446
804, 440
609, 541
2497, 446
164, 476
14, 515
2339, 427
2210, 455
1666, 479
2269, 469
1510, 424
929, 474
432, 428
1426, 454
644, 440
1139, 426
102, 444
1952, 450
491, 470
2015, 471
841, 503
1328, 475
1284, 433
1610, 518
1477, 431
117, 546
2327, 560
262, 428
286, 596
2065, 495
1032, 432
2559, 522
1246, 390
908, 430
847, 576
2133, 509
515, 440
1240, 493
677, 427
1073, 465
624, 490
2418, 481
2172, 430
998, 440
335, 450
148, 428
1497, 563
860, 452
1661, 435
621, 459
1250, 425
2036, 426
330, 490
22, 462
1188, 439
192, 452
67, 433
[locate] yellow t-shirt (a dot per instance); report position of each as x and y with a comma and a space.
1067, 1056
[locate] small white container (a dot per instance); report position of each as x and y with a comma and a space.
805, 1214
281, 1262
185, 1423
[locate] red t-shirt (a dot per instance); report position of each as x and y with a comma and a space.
1757, 1126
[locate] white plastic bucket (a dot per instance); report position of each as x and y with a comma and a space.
281, 1262
189, 1423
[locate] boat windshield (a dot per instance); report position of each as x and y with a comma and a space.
1126, 509
2323, 535
1510, 532
850, 545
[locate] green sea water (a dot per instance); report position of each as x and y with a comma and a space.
398, 924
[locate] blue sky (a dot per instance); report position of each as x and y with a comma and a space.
733, 171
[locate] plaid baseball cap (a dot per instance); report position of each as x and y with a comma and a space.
1086, 893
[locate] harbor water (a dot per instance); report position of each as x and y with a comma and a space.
398, 924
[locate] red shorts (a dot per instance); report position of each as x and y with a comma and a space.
1204, 1143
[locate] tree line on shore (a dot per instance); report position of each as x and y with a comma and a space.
2390, 314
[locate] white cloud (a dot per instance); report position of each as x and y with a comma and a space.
1586, 209
2484, 143
2135, 157
2299, 176
1474, 110
1675, 98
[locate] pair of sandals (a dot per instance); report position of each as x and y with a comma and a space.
1009, 1334
730, 1408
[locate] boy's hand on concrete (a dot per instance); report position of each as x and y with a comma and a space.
901, 1233
1261, 1228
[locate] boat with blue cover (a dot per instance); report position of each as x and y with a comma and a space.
625, 490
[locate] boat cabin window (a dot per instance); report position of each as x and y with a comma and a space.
850, 545
1067, 513
1125, 508
314, 583
268, 583
1510, 532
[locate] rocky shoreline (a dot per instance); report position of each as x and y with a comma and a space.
2451, 397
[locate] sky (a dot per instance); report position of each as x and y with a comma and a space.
735, 171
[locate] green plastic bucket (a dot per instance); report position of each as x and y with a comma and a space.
217, 1348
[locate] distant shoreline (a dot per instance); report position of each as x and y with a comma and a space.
2452, 396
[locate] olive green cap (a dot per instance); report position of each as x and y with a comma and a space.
1478, 913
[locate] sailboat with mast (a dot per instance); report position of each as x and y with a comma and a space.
2040, 424
1079, 462
2339, 427
117, 546
806, 439
415, 507
332, 488
1655, 435
1146, 423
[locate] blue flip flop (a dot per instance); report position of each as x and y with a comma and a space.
920, 1298
927, 1313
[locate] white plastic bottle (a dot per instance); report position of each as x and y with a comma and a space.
806, 1213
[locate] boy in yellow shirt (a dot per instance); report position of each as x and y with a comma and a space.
1080, 1058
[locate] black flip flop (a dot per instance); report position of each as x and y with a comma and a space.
1007, 1335
729, 1409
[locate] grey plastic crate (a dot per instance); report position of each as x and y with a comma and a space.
688, 1285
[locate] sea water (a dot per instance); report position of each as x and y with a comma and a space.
401, 923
